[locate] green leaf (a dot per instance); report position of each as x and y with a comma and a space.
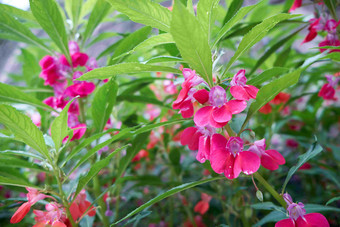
76, 9
102, 104
10, 161
19, 31
22, 14
314, 150
99, 11
49, 17
335, 56
141, 99
333, 200
168, 194
128, 43
23, 129
21, 153
270, 90
159, 59
12, 94
16, 182
267, 75
274, 48
103, 36
59, 127
256, 34
125, 68
95, 170
316, 208
233, 9
30, 67
145, 12
232, 21
192, 41
205, 14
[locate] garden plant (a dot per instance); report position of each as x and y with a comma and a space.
190, 113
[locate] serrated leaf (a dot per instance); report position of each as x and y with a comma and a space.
168, 194
232, 21
192, 41
205, 14
23, 129
49, 17
59, 127
270, 90
102, 104
12, 94
124, 68
128, 43
314, 150
145, 12
19, 31
256, 34
94, 170
99, 11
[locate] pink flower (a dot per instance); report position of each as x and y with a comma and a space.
79, 59
169, 86
296, 4
220, 111
79, 131
270, 159
292, 143
327, 92
33, 196
198, 138
298, 216
313, 30
330, 42
203, 206
80, 205
266, 109
202, 96
82, 89
282, 97
229, 158
53, 216
73, 47
239, 89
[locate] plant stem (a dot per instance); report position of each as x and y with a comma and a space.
82, 111
229, 130
101, 203
270, 189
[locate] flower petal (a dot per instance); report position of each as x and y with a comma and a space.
187, 109
202, 116
218, 141
222, 114
201, 207
268, 163
236, 106
251, 90
203, 149
202, 96
279, 159
239, 93
247, 162
187, 135
285, 223
21, 212
313, 219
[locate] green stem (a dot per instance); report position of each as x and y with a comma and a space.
101, 203
229, 130
270, 189
82, 111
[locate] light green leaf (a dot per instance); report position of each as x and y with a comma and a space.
267, 75
159, 59
125, 68
232, 21
168, 194
235, 5
49, 17
128, 43
95, 170
314, 150
76, 9
102, 104
19, 13
192, 41
19, 32
59, 127
21, 153
256, 34
23, 129
12, 94
205, 14
16, 182
270, 90
145, 12
30, 67
10, 161
87, 8
99, 11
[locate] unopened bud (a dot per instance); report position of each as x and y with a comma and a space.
252, 134
259, 195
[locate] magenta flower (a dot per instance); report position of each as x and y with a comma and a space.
49, 70
73, 47
198, 138
82, 89
229, 158
53, 216
329, 42
220, 110
296, 4
270, 159
79, 59
327, 91
238, 88
313, 30
298, 216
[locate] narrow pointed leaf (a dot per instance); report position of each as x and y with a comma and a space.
205, 14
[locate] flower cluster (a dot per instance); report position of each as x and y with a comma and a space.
61, 75
298, 216
328, 90
55, 214
226, 154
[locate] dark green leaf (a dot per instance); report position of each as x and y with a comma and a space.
267, 75
233, 9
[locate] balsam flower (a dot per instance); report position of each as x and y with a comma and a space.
80, 205
238, 88
203, 206
220, 111
270, 159
228, 157
298, 216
